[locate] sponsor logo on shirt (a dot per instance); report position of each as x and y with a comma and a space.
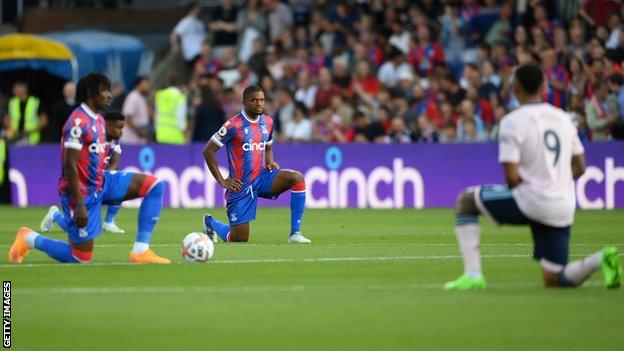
97, 148
254, 146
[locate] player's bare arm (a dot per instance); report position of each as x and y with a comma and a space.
70, 169
512, 176
114, 162
268, 158
578, 166
211, 161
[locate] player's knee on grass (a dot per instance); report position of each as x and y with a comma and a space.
466, 204
238, 238
239, 234
553, 276
82, 256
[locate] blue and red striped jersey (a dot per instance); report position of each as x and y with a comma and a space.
85, 131
245, 141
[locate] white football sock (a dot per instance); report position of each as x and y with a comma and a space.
468, 239
30, 239
140, 247
578, 271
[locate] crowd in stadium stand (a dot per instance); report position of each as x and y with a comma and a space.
388, 71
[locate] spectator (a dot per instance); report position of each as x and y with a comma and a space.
325, 91
426, 131
542, 22
138, 125
189, 34
616, 85
396, 65
540, 39
400, 37
364, 85
470, 126
425, 53
601, 111
556, 78
576, 72
596, 12
341, 22
118, 96
329, 128
400, 134
453, 92
171, 125
300, 129
26, 118
207, 63
501, 29
340, 108
285, 110
616, 37
367, 131
560, 43
280, 18
306, 93
209, 116
341, 74
521, 38
578, 43
251, 24
61, 111
223, 24
467, 131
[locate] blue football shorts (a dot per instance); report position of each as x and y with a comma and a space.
241, 206
113, 192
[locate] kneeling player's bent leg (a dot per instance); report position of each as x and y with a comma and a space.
129, 185
294, 181
551, 249
58, 250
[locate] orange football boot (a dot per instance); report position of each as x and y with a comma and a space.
19, 249
147, 257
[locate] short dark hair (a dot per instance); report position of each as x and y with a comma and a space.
114, 115
251, 90
138, 80
616, 78
530, 78
90, 86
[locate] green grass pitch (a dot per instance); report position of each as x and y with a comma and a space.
371, 280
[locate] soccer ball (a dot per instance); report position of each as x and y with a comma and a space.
197, 247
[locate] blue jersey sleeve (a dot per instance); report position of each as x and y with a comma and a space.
225, 134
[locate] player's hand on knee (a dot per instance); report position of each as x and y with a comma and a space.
273, 165
81, 216
232, 184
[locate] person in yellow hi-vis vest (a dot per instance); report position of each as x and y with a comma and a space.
26, 118
170, 114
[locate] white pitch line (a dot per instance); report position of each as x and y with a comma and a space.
361, 244
258, 289
280, 260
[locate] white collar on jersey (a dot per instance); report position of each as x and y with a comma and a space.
89, 111
247, 117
